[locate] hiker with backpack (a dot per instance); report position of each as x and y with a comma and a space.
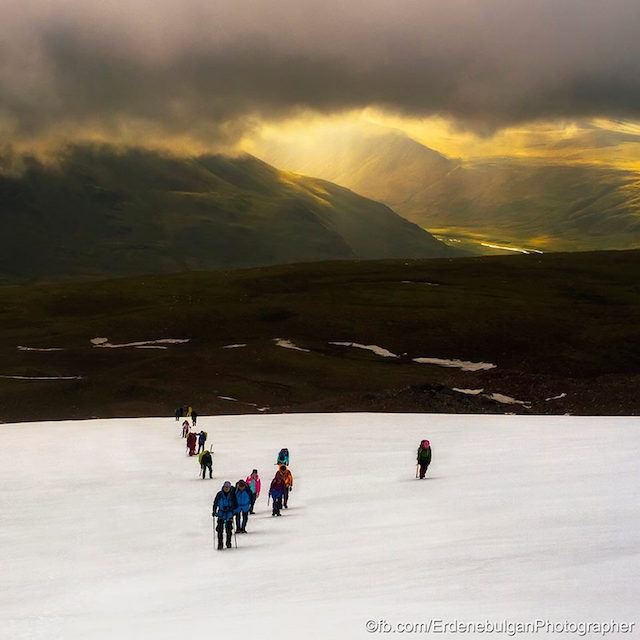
202, 438
185, 428
191, 443
276, 491
253, 482
243, 498
288, 484
206, 462
194, 417
178, 413
283, 457
223, 509
424, 457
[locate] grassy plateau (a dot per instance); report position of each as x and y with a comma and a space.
562, 326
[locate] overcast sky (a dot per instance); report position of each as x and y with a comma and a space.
213, 69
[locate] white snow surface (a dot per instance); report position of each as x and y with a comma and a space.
21, 348
106, 529
469, 392
234, 346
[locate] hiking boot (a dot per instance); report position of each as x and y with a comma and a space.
229, 545
219, 546
285, 506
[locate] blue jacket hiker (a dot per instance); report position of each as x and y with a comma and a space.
283, 457
224, 507
202, 438
243, 499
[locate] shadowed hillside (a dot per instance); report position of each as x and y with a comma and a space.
103, 213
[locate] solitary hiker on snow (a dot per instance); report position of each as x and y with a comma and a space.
424, 457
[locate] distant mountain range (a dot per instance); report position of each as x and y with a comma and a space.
101, 212
515, 202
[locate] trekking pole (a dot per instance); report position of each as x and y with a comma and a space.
417, 465
235, 538
213, 520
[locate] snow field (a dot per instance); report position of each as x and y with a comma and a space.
107, 531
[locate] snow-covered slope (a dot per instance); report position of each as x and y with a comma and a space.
106, 529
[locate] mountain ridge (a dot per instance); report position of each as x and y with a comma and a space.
521, 202
100, 212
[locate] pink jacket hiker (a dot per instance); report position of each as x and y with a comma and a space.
250, 480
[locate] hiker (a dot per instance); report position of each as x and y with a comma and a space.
185, 428
283, 457
243, 498
178, 413
206, 462
191, 443
253, 482
424, 457
194, 417
288, 484
189, 412
276, 491
223, 507
202, 438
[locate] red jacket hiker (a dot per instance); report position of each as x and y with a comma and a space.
191, 443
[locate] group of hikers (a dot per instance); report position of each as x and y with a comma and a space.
238, 501
186, 412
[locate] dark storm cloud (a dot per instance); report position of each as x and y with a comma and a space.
210, 69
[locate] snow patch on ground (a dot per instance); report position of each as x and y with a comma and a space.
562, 395
469, 392
21, 348
228, 398
499, 397
104, 343
428, 284
458, 364
234, 346
287, 344
368, 347
41, 377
